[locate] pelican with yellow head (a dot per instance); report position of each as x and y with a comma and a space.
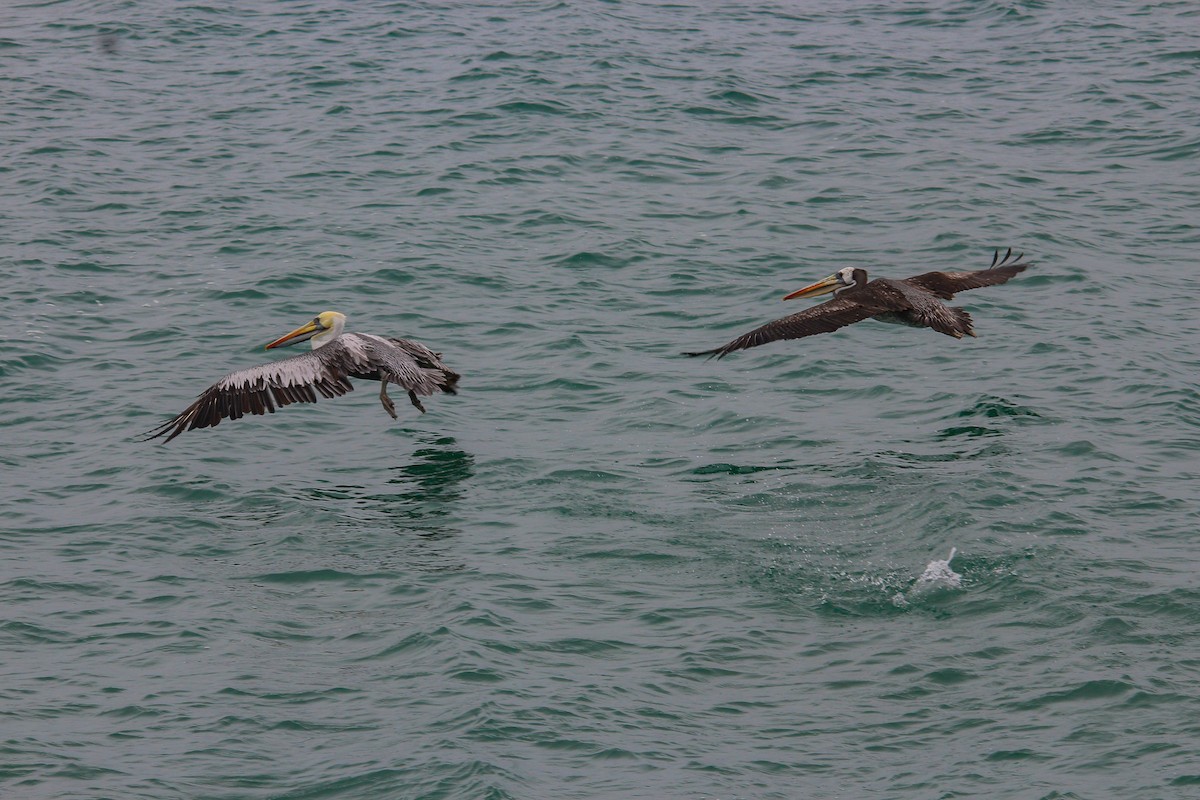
335, 358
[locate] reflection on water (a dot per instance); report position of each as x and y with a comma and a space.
422, 494
430, 486
419, 502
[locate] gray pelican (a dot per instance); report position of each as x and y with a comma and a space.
335, 358
910, 301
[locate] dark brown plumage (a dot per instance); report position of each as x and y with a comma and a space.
910, 301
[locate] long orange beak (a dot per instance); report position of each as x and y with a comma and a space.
301, 334
823, 286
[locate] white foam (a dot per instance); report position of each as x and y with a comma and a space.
937, 575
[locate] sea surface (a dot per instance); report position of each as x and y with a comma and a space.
603, 570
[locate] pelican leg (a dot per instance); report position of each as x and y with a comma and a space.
416, 401
388, 405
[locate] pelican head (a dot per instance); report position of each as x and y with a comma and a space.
837, 282
322, 329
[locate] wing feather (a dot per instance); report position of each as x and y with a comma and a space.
824, 318
410, 365
259, 390
946, 284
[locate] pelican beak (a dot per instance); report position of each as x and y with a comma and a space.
301, 334
823, 286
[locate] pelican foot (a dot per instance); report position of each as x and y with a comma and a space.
388, 405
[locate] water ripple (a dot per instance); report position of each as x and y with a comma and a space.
603, 569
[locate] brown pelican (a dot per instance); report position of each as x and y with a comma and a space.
335, 358
910, 301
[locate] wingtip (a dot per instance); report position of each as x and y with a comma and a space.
1008, 260
153, 433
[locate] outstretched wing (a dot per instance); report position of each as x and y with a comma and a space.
945, 284
258, 390
824, 318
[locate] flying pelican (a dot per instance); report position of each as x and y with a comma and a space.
910, 301
335, 358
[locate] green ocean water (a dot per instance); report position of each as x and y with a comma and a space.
602, 570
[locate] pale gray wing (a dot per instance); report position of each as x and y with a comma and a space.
945, 284
410, 365
824, 318
258, 390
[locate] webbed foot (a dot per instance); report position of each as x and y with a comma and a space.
388, 405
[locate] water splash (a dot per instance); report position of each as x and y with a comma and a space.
937, 575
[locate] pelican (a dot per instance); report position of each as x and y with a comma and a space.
909, 301
335, 358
